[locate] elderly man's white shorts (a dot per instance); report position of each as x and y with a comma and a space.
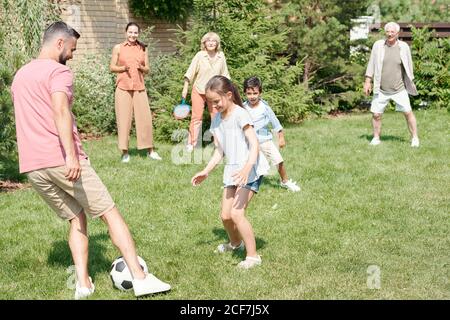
380, 101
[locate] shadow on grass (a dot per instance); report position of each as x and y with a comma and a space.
138, 153
272, 181
369, 137
222, 237
60, 254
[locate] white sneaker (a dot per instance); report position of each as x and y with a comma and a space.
250, 262
415, 142
189, 148
125, 158
375, 141
154, 155
150, 284
226, 247
83, 292
290, 185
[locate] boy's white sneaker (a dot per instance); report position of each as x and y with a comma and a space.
83, 292
150, 284
290, 185
250, 262
125, 158
227, 247
154, 155
375, 142
415, 142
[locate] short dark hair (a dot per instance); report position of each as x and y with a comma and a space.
253, 82
60, 27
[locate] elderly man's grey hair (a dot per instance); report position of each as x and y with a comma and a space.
392, 25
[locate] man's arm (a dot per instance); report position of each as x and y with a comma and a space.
370, 72
367, 85
64, 124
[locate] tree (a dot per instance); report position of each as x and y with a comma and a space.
414, 10
318, 32
170, 10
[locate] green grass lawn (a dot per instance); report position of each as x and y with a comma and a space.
386, 206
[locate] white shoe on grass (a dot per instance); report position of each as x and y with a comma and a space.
227, 247
189, 148
83, 292
250, 262
415, 142
290, 185
375, 141
125, 158
149, 285
154, 155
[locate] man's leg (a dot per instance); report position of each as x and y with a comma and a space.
121, 238
78, 243
376, 125
412, 123
379, 103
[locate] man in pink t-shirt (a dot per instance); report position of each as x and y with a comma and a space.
51, 155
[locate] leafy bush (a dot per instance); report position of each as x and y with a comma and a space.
254, 43
94, 95
170, 10
8, 157
431, 69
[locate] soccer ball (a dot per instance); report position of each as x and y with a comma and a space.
121, 275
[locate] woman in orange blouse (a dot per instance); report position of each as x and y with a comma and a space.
207, 63
130, 61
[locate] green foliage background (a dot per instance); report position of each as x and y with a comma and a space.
299, 48
21, 25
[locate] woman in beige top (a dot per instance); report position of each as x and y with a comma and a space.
207, 63
130, 62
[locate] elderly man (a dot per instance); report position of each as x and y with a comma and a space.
51, 155
390, 66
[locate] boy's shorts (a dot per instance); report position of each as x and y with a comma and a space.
271, 152
68, 198
380, 101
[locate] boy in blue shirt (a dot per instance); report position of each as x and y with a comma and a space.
262, 115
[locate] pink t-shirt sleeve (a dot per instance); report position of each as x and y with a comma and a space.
61, 80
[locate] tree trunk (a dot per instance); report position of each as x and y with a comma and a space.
306, 73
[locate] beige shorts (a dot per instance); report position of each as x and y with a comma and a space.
271, 152
68, 198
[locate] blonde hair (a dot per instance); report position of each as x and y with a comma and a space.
208, 36
394, 25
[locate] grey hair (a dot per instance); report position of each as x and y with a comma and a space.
394, 25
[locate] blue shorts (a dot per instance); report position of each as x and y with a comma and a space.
253, 186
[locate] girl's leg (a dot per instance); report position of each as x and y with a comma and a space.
198, 105
225, 215
124, 117
241, 200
